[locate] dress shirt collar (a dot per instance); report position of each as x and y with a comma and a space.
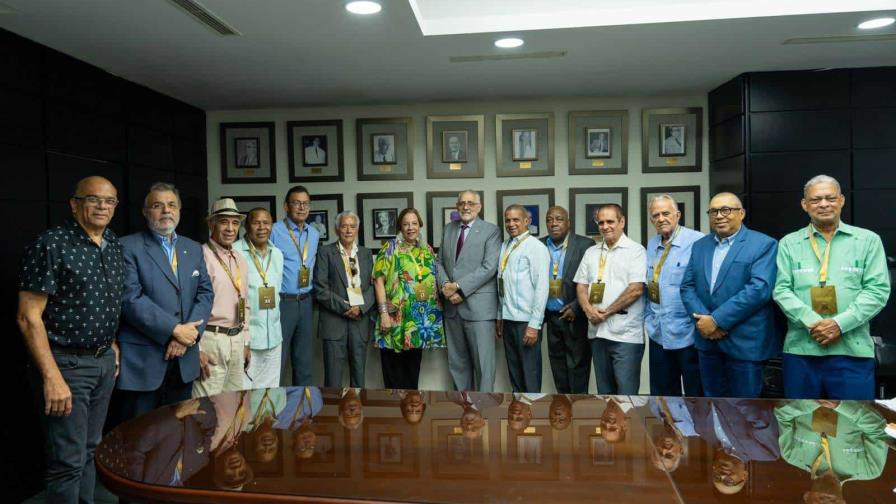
352, 253
469, 226
520, 237
727, 240
841, 228
622, 242
164, 240
296, 227
553, 247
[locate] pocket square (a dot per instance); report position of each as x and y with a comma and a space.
195, 273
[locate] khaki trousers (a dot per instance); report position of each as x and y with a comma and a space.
227, 373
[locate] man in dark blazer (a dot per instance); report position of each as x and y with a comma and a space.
567, 325
166, 303
727, 288
344, 290
465, 269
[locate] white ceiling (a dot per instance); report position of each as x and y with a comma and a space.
312, 52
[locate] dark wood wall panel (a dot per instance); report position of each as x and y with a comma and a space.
874, 169
24, 174
874, 128
728, 175
728, 139
798, 131
22, 123
801, 90
76, 130
874, 87
786, 171
65, 171
726, 101
874, 208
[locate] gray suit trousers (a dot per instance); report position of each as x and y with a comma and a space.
351, 349
471, 353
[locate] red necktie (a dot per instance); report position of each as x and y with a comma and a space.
460, 241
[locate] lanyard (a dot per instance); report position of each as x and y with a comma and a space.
266, 409
507, 255
239, 417
253, 252
823, 269
555, 265
300, 408
304, 250
238, 281
659, 265
605, 251
348, 268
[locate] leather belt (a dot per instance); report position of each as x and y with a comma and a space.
295, 297
229, 331
95, 352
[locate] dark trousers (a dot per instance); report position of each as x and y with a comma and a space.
837, 377
669, 368
726, 376
72, 440
569, 353
523, 362
135, 403
617, 366
401, 370
295, 323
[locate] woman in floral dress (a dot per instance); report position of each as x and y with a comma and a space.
410, 314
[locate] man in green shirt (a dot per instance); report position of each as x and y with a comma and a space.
832, 280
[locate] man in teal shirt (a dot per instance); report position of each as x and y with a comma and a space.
832, 280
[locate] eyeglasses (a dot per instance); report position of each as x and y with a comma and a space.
724, 211
161, 206
299, 204
96, 200
830, 199
470, 204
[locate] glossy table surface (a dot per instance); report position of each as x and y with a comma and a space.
349, 445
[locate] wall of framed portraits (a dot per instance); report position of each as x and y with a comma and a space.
579, 153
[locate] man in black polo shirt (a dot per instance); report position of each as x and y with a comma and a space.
70, 286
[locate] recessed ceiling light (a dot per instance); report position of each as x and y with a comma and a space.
876, 23
365, 7
508, 43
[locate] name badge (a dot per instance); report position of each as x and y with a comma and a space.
824, 300
266, 298
420, 292
500, 287
555, 287
355, 297
241, 311
596, 296
653, 291
304, 277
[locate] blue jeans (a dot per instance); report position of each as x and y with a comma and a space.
72, 439
669, 368
829, 377
617, 366
725, 376
295, 322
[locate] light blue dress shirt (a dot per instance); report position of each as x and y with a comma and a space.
168, 246
718, 257
264, 325
525, 281
668, 323
292, 258
558, 255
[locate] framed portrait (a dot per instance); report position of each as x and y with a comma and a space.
536, 201
686, 197
441, 209
524, 144
247, 153
530, 454
585, 202
455, 146
379, 215
246, 203
315, 151
324, 209
672, 140
598, 142
320, 220
528, 449
390, 448
385, 148
602, 453
332, 445
457, 456
596, 459
696, 458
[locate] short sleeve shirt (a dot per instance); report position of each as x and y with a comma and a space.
83, 282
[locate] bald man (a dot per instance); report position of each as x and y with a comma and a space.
727, 289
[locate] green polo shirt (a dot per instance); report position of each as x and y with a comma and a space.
858, 271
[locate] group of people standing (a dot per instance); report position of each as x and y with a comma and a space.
98, 312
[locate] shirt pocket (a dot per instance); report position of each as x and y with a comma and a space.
673, 275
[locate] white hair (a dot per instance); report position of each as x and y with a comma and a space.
343, 215
820, 179
667, 197
469, 191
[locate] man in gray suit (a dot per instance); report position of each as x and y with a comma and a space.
567, 326
466, 268
343, 288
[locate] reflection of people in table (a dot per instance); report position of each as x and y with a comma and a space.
230, 469
519, 411
262, 439
834, 441
314, 153
412, 406
385, 150
614, 419
351, 412
471, 421
456, 151
560, 411
301, 404
677, 425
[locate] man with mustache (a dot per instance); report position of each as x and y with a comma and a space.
167, 299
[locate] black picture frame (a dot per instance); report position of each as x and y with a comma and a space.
330, 203
320, 220
653, 158
511, 163
523, 197
439, 129
602, 150
302, 171
241, 160
691, 217
578, 194
580, 122
391, 229
308, 142
400, 164
376, 139
365, 208
665, 134
463, 139
515, 135
436, 202
246, 203
267, 148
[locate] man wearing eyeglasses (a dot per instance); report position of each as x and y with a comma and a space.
298, 240
70, 285
167, 301
343, 288
832, 280
727, 290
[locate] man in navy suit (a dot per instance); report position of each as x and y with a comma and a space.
167, 301
727, 288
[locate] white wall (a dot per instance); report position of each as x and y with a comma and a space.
434, 373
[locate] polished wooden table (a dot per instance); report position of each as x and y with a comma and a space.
306, 444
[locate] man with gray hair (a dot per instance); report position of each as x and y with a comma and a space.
166, 303
466, 268
670, 328
832, 280
343, 288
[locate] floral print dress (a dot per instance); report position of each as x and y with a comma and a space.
407, 271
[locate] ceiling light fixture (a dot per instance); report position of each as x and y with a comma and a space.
508, 43
363, 7
876, 23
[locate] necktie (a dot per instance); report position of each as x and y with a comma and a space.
460, 241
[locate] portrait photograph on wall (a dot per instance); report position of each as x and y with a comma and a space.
246, 149
672, 140
247, 153
597, 142
585, 202
384, 225
598, 145
315, 151
320, 220
524, 144
324, 209
385, 148
382, 148
441, 208
455, 146
534, 212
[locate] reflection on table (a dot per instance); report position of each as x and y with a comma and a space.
417, 446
